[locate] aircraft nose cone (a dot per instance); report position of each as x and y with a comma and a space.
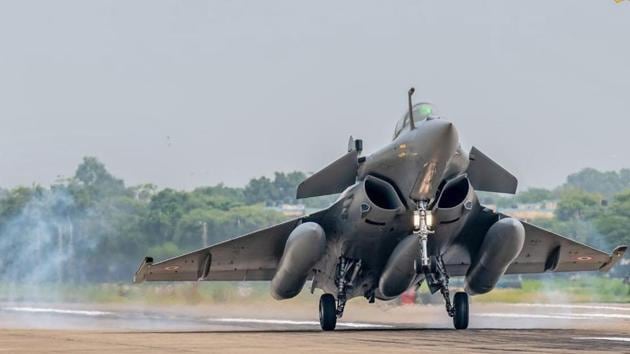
437, 141
441, 134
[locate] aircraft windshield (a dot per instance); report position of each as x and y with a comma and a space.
421, 111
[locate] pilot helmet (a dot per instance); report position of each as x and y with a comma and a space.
425, 110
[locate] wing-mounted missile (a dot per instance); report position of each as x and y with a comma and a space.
334, 178
488, 176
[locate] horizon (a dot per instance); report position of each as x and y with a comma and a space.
64, 178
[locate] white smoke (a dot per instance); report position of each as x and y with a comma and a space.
37, 246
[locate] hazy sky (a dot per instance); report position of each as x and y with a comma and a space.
189, 93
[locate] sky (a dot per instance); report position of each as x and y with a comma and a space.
192, 93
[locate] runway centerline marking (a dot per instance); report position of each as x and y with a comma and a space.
616, 339
556, 316
572, 306
596, 315
525, 315
57, 311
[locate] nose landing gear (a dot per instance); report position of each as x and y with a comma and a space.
434, 269
422, 220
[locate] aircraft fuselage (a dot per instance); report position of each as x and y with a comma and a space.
374, 215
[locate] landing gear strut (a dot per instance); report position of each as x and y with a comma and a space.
422, 220
438, 280
434, 270
344, 282
329, 309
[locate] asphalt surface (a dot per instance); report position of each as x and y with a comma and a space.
257, 328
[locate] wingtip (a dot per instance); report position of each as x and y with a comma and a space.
619, 251
615, 256
143, 270
299, 194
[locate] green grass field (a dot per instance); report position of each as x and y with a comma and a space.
584, 289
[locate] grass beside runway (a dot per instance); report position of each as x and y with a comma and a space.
552, 290
562, 289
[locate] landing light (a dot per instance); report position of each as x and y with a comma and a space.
416, 220
429, 219
422, 219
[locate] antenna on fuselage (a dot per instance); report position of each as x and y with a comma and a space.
412, 125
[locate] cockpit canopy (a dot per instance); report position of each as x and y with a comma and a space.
421, 111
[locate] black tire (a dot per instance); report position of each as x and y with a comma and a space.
460, 302
327, 312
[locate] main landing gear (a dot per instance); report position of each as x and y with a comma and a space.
434, 269
460, 315
327, 312
438, 280
329, 309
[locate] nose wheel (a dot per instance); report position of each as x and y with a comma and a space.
327, 312
460, 315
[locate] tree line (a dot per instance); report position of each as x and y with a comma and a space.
91, 227
591, 206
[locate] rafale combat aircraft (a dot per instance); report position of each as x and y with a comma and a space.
407, 214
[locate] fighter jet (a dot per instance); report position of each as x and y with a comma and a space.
406, 214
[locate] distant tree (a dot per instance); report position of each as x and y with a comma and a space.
222, 224
606, 183
260, 190
14, 201
534, 195
90, 227
581, 230
614, 223
577, 204
285, 186
281, 190
92, 182
143, 192
189, 232
164, 211
111, 237
219, 196
244, 219
319, 202
92, 174
164, 250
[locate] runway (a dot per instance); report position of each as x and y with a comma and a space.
257, 328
